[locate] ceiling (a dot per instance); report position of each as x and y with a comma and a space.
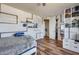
50, 9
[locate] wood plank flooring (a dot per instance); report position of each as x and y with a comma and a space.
52, 47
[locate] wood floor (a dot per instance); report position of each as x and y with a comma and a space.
52, 47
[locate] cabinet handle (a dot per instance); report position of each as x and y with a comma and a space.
75, 43
75, 47
66, 41
66, 44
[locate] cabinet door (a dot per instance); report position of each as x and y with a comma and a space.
67, 20
73, 30
78, 34
66, 33
72, 36
74, 33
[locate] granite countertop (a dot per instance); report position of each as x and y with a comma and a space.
15, 45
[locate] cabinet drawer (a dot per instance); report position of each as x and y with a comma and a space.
66, 45
71, 41
65, 41
75, 47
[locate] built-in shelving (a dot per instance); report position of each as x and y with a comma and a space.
68, 13
71, 29
72, 12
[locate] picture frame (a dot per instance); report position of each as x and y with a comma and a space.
8, 18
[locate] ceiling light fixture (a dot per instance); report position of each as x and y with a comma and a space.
44, 4
41, 4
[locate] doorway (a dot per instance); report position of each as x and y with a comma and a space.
58, 33
46, 27
56, 30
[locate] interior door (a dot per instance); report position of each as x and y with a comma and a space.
46, 27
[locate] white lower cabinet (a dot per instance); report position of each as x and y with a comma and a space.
75, 47
71, 45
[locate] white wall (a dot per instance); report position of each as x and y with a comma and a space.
52, 23
13, 27
0, 6
21, 17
